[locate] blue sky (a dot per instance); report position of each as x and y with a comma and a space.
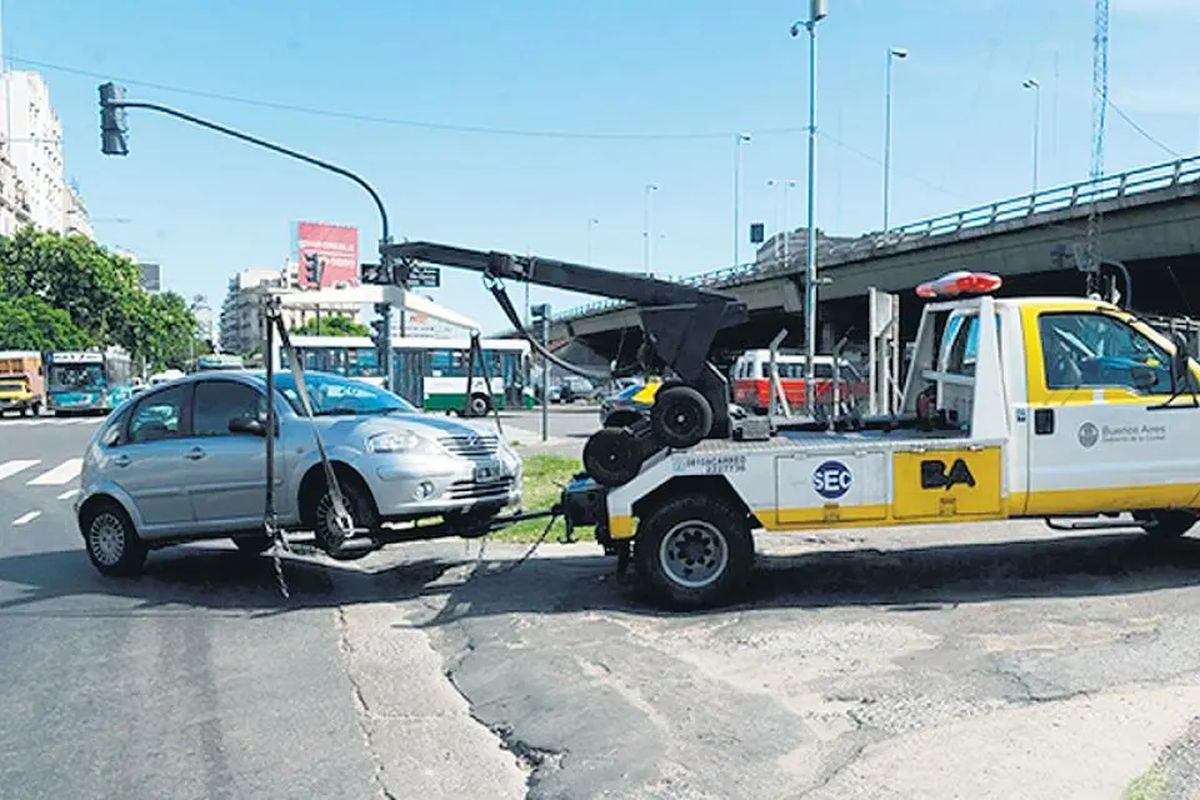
206, 207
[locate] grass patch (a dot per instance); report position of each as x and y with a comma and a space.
545, 475
1151, 786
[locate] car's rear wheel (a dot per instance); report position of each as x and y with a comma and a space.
694, 551
111, 541
362, 512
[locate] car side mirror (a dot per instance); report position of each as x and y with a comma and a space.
250, 425
1143, 377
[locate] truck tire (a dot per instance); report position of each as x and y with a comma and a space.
1166, 523
694, 552
612, 456
680, 417
111, 541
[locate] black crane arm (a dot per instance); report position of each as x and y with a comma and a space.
680, 321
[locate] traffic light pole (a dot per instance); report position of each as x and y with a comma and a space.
109, 102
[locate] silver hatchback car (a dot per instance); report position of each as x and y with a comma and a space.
186, 461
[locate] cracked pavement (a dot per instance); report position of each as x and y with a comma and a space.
992, 660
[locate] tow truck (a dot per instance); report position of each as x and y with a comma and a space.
1068, 409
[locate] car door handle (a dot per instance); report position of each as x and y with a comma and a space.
195, 454
121, 460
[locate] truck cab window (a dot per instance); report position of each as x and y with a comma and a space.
1097, 350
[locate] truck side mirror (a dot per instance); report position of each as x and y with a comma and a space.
1180, 372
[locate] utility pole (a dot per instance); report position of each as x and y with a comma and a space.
591, 222
893, 53
818, 10
646, 223
738, 141
541, 314
1032, 83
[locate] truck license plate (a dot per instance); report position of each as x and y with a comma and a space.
488, 471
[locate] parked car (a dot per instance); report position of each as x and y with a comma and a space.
185, 461
628, 405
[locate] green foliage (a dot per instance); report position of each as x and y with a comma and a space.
30, 323
97, 296
545, 475
333, 326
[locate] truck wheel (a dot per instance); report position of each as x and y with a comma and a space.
694, 552
24, 411
1167, 523
612, 456
680, 417
479, 405
111, 542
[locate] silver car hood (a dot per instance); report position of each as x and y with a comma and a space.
424, 425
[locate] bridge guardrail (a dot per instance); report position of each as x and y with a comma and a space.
1107, 187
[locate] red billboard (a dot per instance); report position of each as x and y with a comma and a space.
336, 248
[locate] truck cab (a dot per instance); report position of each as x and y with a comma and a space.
1028, 407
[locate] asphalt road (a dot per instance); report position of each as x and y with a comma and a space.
955, 661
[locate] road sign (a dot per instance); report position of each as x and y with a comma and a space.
757, 232
424, 277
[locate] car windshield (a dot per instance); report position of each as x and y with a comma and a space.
12, 386
332, 395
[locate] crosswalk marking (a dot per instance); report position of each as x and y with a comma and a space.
63, 473
10, 468
68, 494
26, 518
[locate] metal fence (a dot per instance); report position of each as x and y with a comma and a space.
1060, 198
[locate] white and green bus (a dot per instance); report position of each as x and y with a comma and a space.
430, 373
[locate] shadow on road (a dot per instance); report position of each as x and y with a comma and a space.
217, 579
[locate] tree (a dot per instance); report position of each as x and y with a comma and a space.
99, 292
333, 326
30, 323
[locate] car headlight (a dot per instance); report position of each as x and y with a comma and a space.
391, 442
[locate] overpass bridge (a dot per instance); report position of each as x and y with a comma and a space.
1149, 218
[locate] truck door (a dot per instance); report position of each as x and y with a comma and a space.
1099, 439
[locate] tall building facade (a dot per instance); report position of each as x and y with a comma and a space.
242, 323
35, 190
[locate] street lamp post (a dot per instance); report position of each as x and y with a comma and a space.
646, 222
893, 53
785, 185
818, 10
591, 221
1032, 83
738, 140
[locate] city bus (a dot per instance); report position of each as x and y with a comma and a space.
91, 381
431, 373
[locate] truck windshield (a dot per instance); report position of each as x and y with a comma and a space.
76, 376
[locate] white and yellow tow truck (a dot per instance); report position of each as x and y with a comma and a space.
1067, 409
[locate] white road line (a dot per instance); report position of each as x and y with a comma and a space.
68, 494
65, 472
26, 518
10, 468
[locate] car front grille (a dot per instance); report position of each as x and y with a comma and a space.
473, 490
478, 447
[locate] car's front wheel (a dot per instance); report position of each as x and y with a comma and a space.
111, 541
358, 504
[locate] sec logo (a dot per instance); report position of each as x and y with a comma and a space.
832, 479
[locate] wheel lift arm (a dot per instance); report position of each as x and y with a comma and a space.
680, 322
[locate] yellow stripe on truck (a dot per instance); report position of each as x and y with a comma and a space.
620, 527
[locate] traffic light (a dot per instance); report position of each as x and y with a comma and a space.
380, 328
312, 269
540, 312
113, 128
